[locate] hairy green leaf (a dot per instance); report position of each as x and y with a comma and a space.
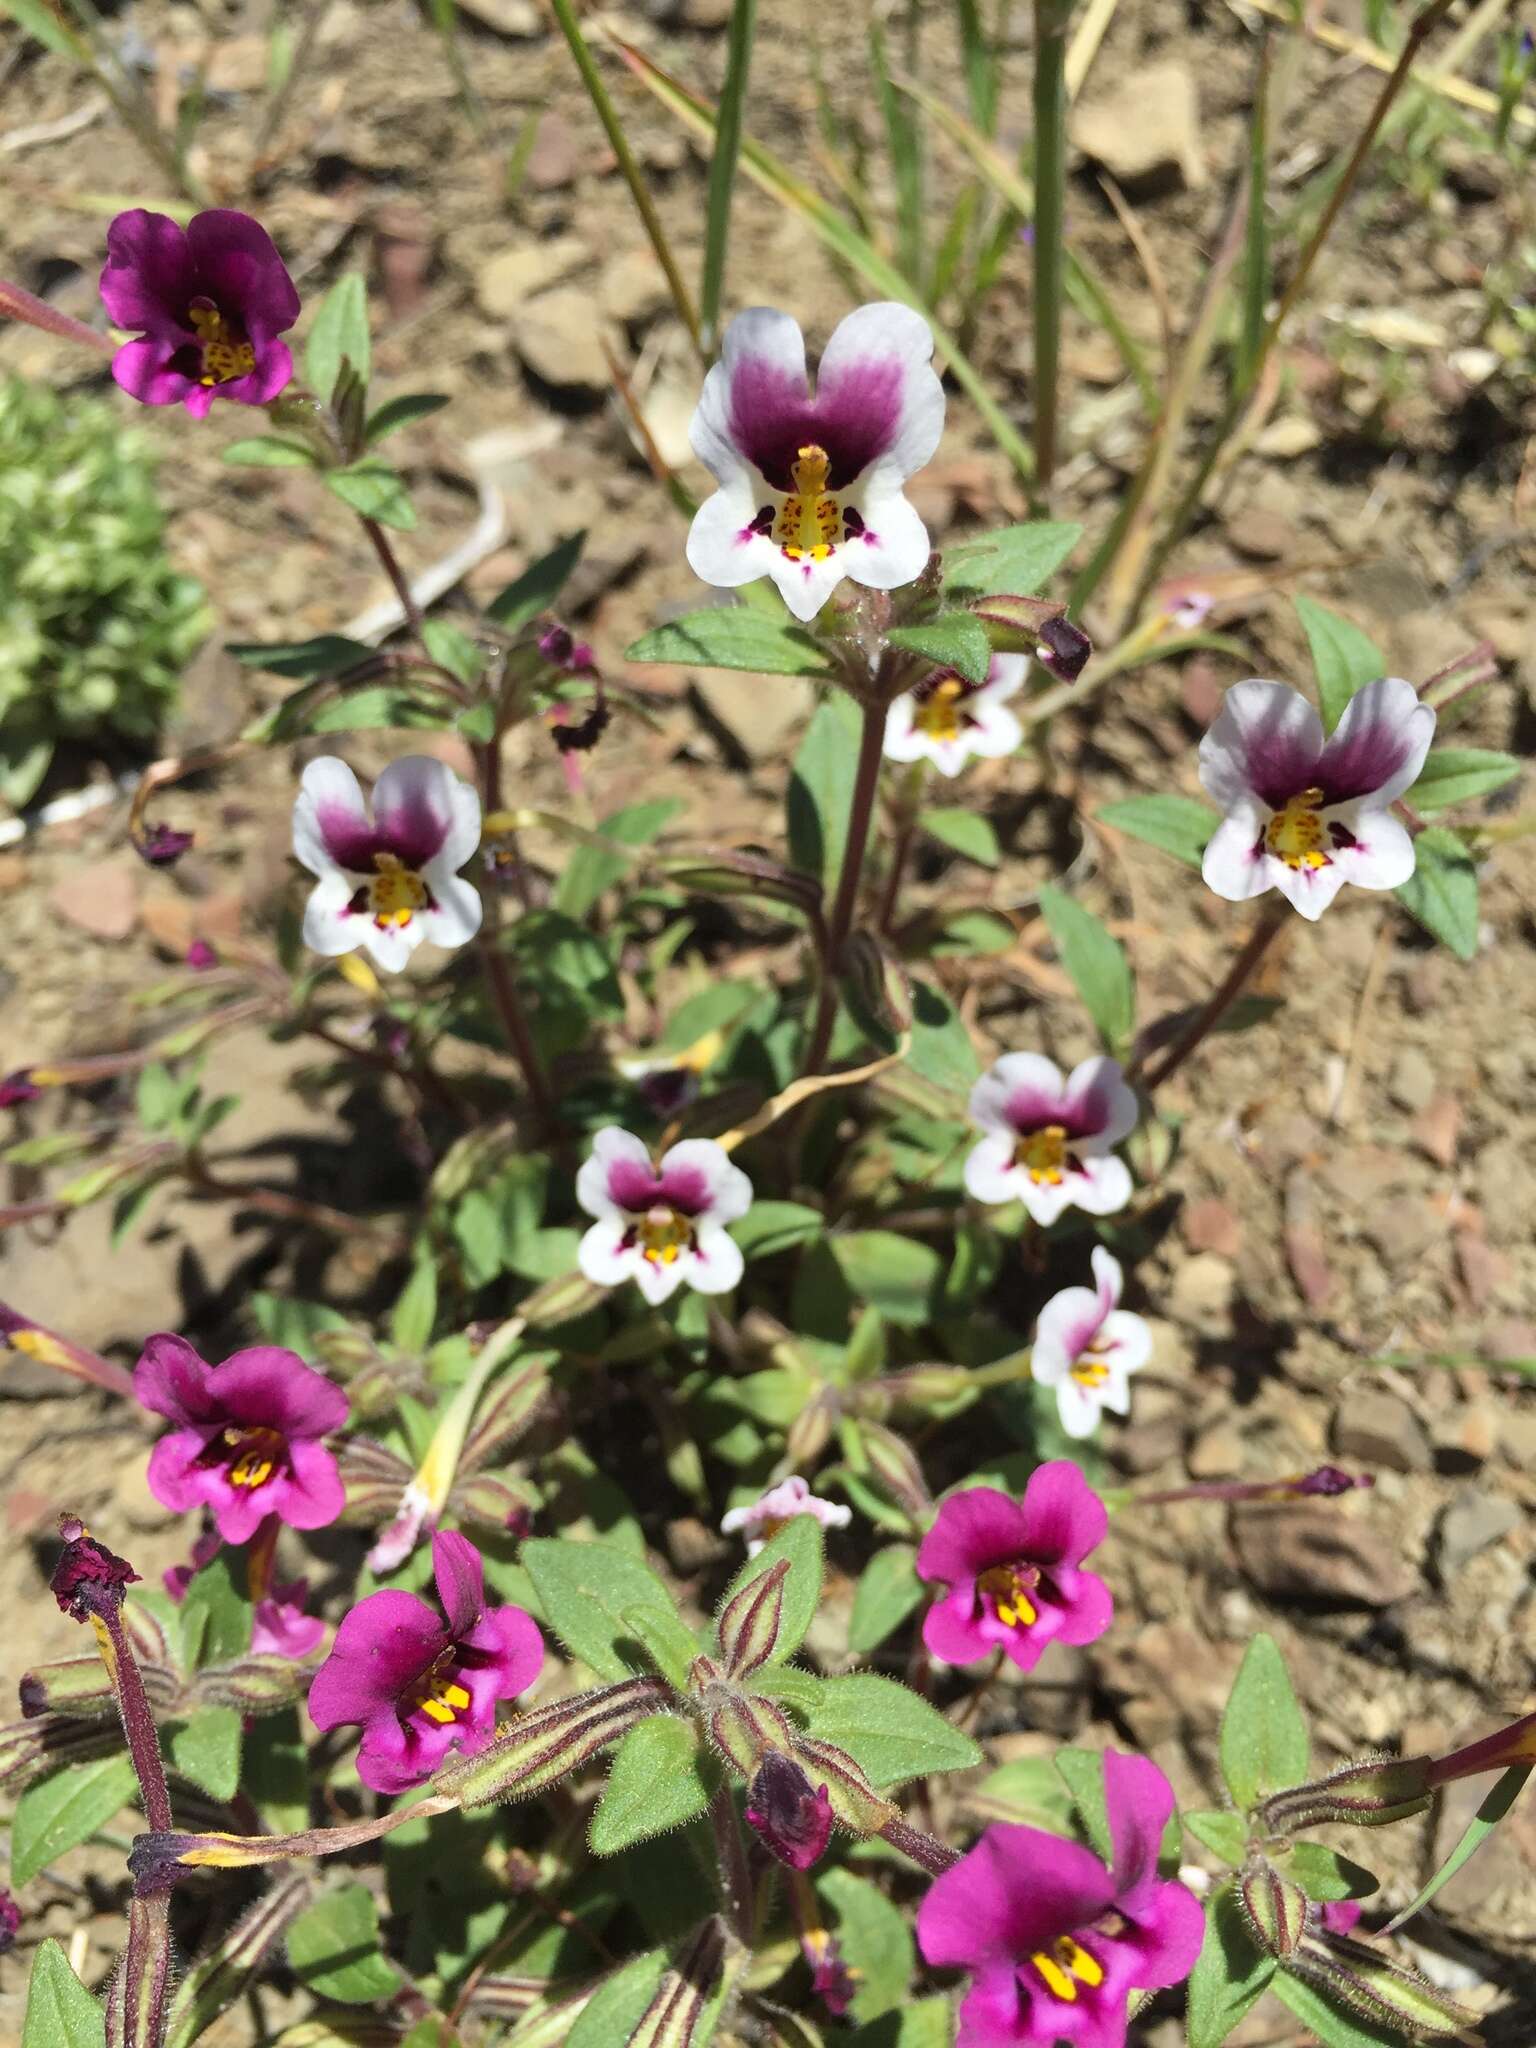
1264, 1746
1343, 658
659, 1778
1097, 964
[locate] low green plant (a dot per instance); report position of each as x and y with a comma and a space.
98, 622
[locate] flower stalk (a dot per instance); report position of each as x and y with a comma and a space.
861, 810
1205, 1021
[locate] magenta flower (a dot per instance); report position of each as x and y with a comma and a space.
281, 1628
1055, 1942
10, 1920
421, 1685
1305, 814
1011, 1569
1049, 1142
206, 302
247, 1441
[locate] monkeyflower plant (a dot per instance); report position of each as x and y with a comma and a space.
717, 1200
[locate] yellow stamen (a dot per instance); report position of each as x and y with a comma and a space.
258, 1452
1043, 1155
1295, 835
938, 714
809, 521
396, 892
443, 1703
224, 359
1010, 1587
1090, 1371
39, 1345
1066, 1966
664, 1236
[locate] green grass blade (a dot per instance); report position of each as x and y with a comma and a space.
981, 67
841, 238
445, 19
906, 150
722, 168
1256, 240
1505, 1792
39, 20
1050, 99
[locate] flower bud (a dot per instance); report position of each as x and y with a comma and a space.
926, 1386
1371, 1795
33, 1749
855, 1802
514, 1402
748, 1628
791, 1817
875, 987
560, 1301
1377, 1990
538, 1749
745, 1729
1276, 1909
808, 1434
67, 1685
499, 1502
220, 1975
88, 1579
678, 2013
896, 1470
730, 873
1064, 648
257, 1684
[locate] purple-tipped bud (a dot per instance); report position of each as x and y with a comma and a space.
18, 1088
1064, 648
1276, 1909
1370, 1795
896, 1470
790, 1816
584, 735
1328, 1480
562, 650
539, 1749
161, 845
88, 1579
201, 955
10, 1920
666, 1090
68, 1685
1378, 1990
748, 1628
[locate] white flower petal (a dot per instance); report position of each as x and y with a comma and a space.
1108, 1277
1114, 1392
391, 946
610, 1147
415, 793
760, 337
894, 547
456, 910
715, 1264
1065, 1328
992, 731
880, 333
805, 585
904, 738
602, 1254
1265, 736
722, 547
1102, 1187
1101, 1080
1015, 1073
1235, 865
1382, 856
1078, 1407
1309, 890
326, 785
657, 1282
1045, 1201
1005, 678
729, 1190
329, 927
1384, 722
990, 1174
1128, 1338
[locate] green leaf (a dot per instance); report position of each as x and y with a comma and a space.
1230, 1976
873, 1937
1333, 2026
800, 1541
538, 586
888, 1592
335, 1949
821, 789
1097, 964
1015, 561
966, 832
659, 1778
929, 2023
309, 661
24, 761
592, 869
888, 1729
1454, 775
376, 491
454, 649
1224, 1834
267, 451
619, 2004
1442, 890
60, 1812
940, 1051
400, 412
770, 1227
1029, 1789
206, 1749
61, 2013
1506, 1790
216, 1615
276, 1771
414, 1315
898, 1274
38, 19
1173, 824
1082, 1772
733, 636
339, 333
584, 1590
1264, 1746
1323, 1874
956, 640
1343, 658
716, 1008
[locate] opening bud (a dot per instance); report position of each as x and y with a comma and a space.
1371, 1795
1275, 1909
1378, 1990
790, 1816
88, 1579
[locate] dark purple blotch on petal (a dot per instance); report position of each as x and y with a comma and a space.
18, 1088
852, 419
636, 1189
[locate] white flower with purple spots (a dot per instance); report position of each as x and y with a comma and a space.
1305, 814
1049, 1141
661, 1224
764, 1518
1086, 1347
389, 880
947, 720
810, 487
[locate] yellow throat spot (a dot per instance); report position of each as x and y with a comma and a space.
1295, 835
1043, 1155
1066, 1966
1090, 1370
443, 1702
1010, 1589
258, 1452
396, 893
39, 1345
663, 1236
223, 359
938, 714
809, 521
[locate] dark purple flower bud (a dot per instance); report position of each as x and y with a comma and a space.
792, 1818
10, 1920
582, 737
161, 845
88, 1577
1064, 648
18, 1087
666, 1090
561, 650
201, 955
833, 1980
1329, 1480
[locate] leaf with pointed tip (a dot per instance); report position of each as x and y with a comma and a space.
659, 1778
799, 1541
61, 2013
1264, 1745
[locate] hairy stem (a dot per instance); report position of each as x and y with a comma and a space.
925, 1850
861, 809
383, 547
735, 1878
1205, 1021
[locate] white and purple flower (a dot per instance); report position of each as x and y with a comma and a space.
390, 880
661, 1224
946, 720
1049, 1141
811, 487
762, 1519
1087, 1346
1305, 814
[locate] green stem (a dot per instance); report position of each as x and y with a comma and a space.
908, 804
630, 170
1221, 1000
722, 169
861, 808
1050, 194
498, 969
383, 547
